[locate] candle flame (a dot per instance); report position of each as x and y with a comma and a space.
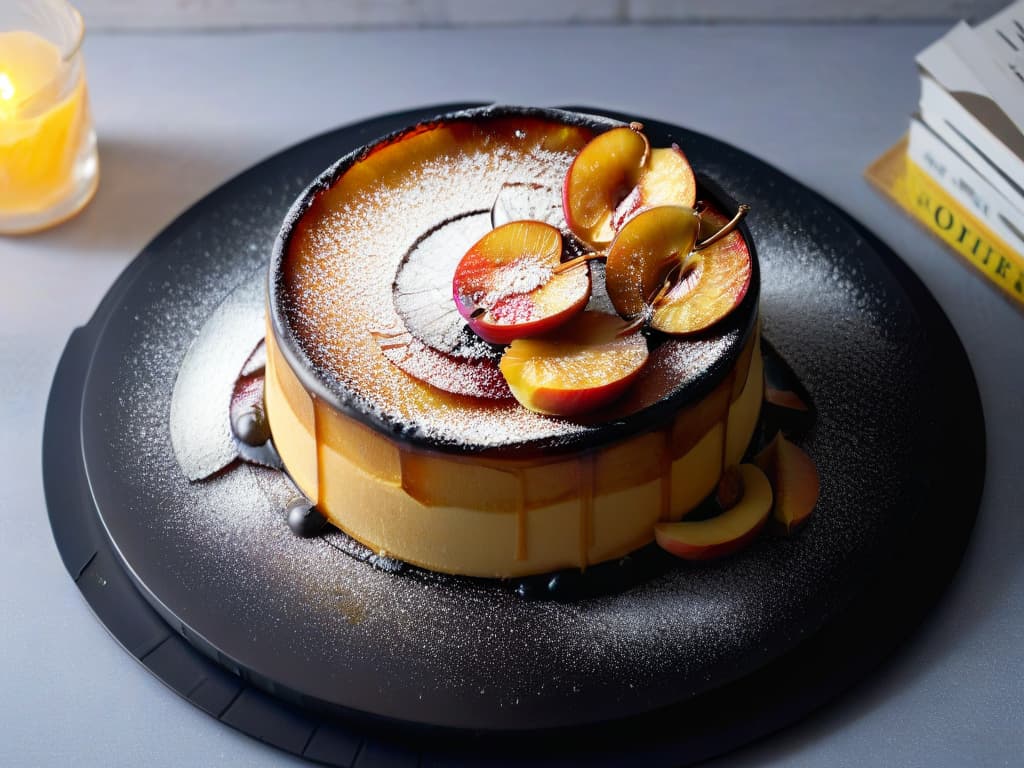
6, 87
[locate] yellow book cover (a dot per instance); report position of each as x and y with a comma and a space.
915, 192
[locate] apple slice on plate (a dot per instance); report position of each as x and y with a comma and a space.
728, 532
582, 366
506, 286
794, 478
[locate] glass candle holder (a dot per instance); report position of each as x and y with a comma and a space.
49, 167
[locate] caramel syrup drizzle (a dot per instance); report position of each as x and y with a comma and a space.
587, 477
521, 516
665, 513
586, 465
725, 423
320, 446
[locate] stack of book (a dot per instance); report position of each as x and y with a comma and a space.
960, 169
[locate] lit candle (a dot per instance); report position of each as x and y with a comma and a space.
47, 148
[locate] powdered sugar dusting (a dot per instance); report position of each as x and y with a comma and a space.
423, 288
220, 556
515, 278
517, 201
342, 264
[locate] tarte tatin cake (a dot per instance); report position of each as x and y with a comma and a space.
511, 341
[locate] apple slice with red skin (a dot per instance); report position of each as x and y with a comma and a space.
581, 367
600, 177
657, 267
472, 377
430, 340
616, 175
666, 179
794, 478
506, 286
728, 532
714, 280
645, 252
785, 398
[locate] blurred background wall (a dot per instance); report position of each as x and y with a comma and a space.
241, 14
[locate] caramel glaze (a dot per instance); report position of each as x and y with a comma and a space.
312, 258
731, 386
521, 516
673, 447
665, 467
586, 505
589, 480
546, 466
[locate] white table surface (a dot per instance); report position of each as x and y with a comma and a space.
178, 114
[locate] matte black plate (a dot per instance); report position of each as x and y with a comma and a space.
893, 388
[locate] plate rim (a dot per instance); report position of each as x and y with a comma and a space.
105, 311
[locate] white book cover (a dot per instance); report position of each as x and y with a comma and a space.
963, 183
982, 70
971, 140
1003, 36
985, 51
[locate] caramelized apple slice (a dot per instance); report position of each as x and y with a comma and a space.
667, 179
581, 367
713, 281
422, 290
644, 254
730, 488
474, 377
785, 398
506, 286
729, 531
794, 477
431, 342
616, 175
601, 176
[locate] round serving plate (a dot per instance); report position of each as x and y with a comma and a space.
296, 642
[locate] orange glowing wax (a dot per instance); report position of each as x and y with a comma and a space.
44, 119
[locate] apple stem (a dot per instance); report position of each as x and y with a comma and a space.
638, 128
724, 231
565, 266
